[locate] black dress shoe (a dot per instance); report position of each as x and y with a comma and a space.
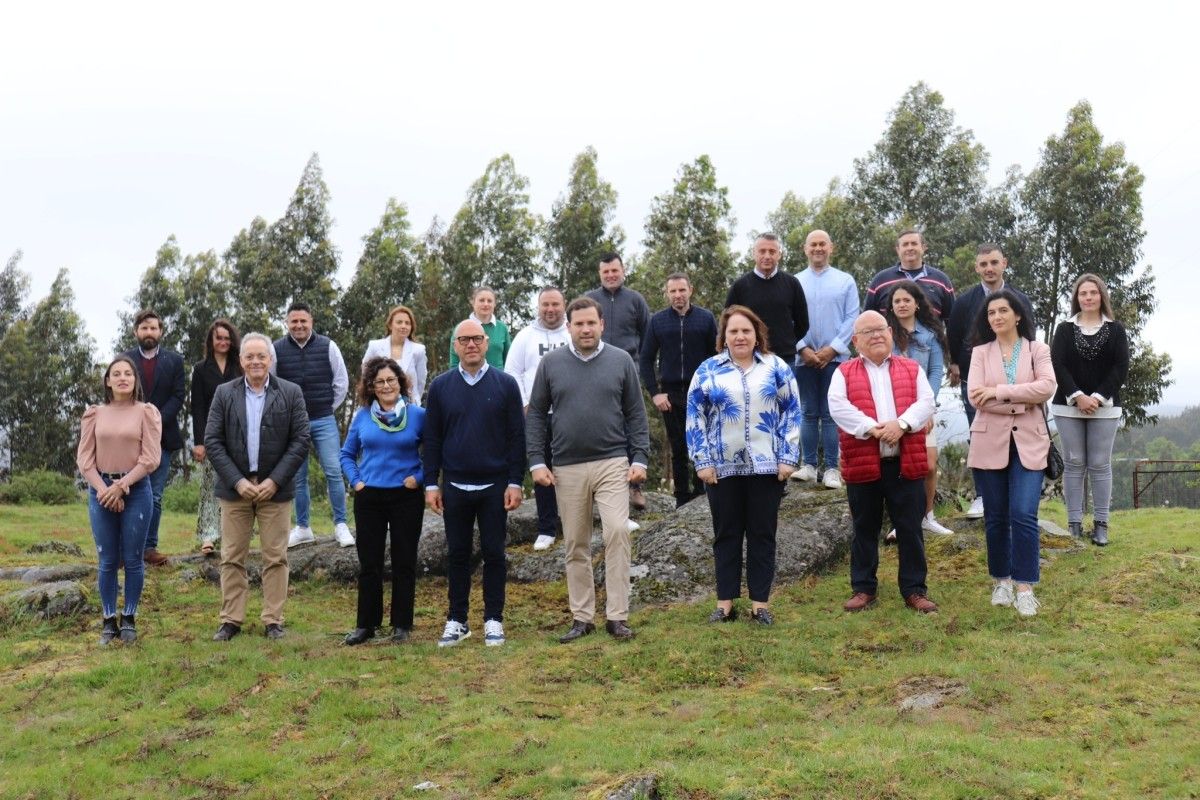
721, 616
226, 632
400, 634
359, 635
618, 629
274, 631
108, 631
579, 629
762, 616
128, 630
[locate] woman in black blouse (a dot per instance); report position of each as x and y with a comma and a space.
220, 365
1091, 359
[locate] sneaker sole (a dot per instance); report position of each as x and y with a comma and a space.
466, 635
493, 642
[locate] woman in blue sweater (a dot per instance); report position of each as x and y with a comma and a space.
918, 333
381, 460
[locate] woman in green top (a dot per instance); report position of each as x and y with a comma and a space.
483, 311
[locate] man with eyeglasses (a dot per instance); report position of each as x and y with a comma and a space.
474, 441
881, 403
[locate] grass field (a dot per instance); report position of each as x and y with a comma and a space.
1098, 696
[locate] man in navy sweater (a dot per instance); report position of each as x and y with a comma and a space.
679, 339
475, 435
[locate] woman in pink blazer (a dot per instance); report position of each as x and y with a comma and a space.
1011, 377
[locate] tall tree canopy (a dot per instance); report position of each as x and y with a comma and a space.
580, 228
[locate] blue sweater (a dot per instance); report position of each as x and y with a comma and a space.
474, 434
383, 459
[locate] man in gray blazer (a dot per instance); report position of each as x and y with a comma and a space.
256, 439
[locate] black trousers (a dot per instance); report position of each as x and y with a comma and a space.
675, 421
544, 496
906, 505
381, 515
461, 510
745, 509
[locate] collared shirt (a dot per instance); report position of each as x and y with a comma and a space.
255, 403
150, 353
764, 275
473, 379
852, 420
581, 356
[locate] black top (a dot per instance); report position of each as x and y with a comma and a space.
960, 328
1089, 364
779, 302
206, 377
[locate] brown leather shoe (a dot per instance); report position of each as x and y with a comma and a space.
618, 629
859, 602
921, 603
153, 557
637, 498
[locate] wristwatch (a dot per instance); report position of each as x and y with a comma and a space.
904, 426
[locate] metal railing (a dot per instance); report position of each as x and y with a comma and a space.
1166, 483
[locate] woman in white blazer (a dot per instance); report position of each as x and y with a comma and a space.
401, 346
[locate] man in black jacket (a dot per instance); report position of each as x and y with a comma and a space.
256, 439
161, 373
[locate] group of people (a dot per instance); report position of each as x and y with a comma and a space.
767, 391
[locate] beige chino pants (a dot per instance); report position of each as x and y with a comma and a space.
607, 483
237, 524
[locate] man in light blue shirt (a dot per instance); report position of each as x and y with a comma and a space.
832, 309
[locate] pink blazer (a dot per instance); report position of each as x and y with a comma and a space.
1016, 411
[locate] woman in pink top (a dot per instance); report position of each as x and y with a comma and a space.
119, 444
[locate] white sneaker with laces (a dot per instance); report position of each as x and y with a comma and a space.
299, 535
633, 526
493, 633
891, 537
976, 509
807, 473
453, 633
1026, 604
1002, 594
933, 526
832, 479
543, 542
342, 533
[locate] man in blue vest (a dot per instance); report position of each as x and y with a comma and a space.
315, 364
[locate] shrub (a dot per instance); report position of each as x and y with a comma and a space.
39, 487
182, 497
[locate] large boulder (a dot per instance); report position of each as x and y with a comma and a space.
47, 574
48, 600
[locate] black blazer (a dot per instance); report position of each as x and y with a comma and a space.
205, 380
166, 394
283, 437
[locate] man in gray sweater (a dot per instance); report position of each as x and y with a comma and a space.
598, 414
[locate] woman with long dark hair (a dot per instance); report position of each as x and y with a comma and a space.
1011, 377
119, 446
222, 348
919, 334
383, 465
1091, 360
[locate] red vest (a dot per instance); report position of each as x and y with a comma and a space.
860, 457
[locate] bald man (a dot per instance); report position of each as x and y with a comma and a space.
832, 298
881, 403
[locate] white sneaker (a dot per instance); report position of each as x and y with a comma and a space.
300, 535
633, 526
493, 633
933, 526
1002, 594
454, 633
807, 472
976, 509
1026, 604
891, 537
832, 479
344, 537
543, 542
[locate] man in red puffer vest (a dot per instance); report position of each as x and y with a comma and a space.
881, 403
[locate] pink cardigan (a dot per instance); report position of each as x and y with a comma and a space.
1016, 411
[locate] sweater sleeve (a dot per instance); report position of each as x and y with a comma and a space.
647, 357
350, 450
1061, 355
514, 416
535, 418
1114, 378
637, 427
434, 435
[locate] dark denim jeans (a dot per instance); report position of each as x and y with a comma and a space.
121, 537
818, 427
158, 484
1010, 508
461, 511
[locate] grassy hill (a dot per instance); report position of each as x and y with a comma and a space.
1098, 696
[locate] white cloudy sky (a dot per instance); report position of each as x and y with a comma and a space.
121, 124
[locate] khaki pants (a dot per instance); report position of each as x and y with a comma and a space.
577, 485
237, 523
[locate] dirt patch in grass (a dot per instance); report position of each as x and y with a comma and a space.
927, 692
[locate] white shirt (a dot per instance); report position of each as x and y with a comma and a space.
854, 422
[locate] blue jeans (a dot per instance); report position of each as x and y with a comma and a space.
817, 427
158, 483
327, 446
1010, 509
121, 537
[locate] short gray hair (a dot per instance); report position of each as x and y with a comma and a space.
259, 337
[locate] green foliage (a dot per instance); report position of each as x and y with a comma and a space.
437, 312
14, 288
39, 487
580, 228
182, 497
690, 229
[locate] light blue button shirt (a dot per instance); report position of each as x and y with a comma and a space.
255, 403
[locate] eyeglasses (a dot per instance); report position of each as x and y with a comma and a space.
869, 332
466, 340
383, 383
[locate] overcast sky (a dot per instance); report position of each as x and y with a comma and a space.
125, 123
